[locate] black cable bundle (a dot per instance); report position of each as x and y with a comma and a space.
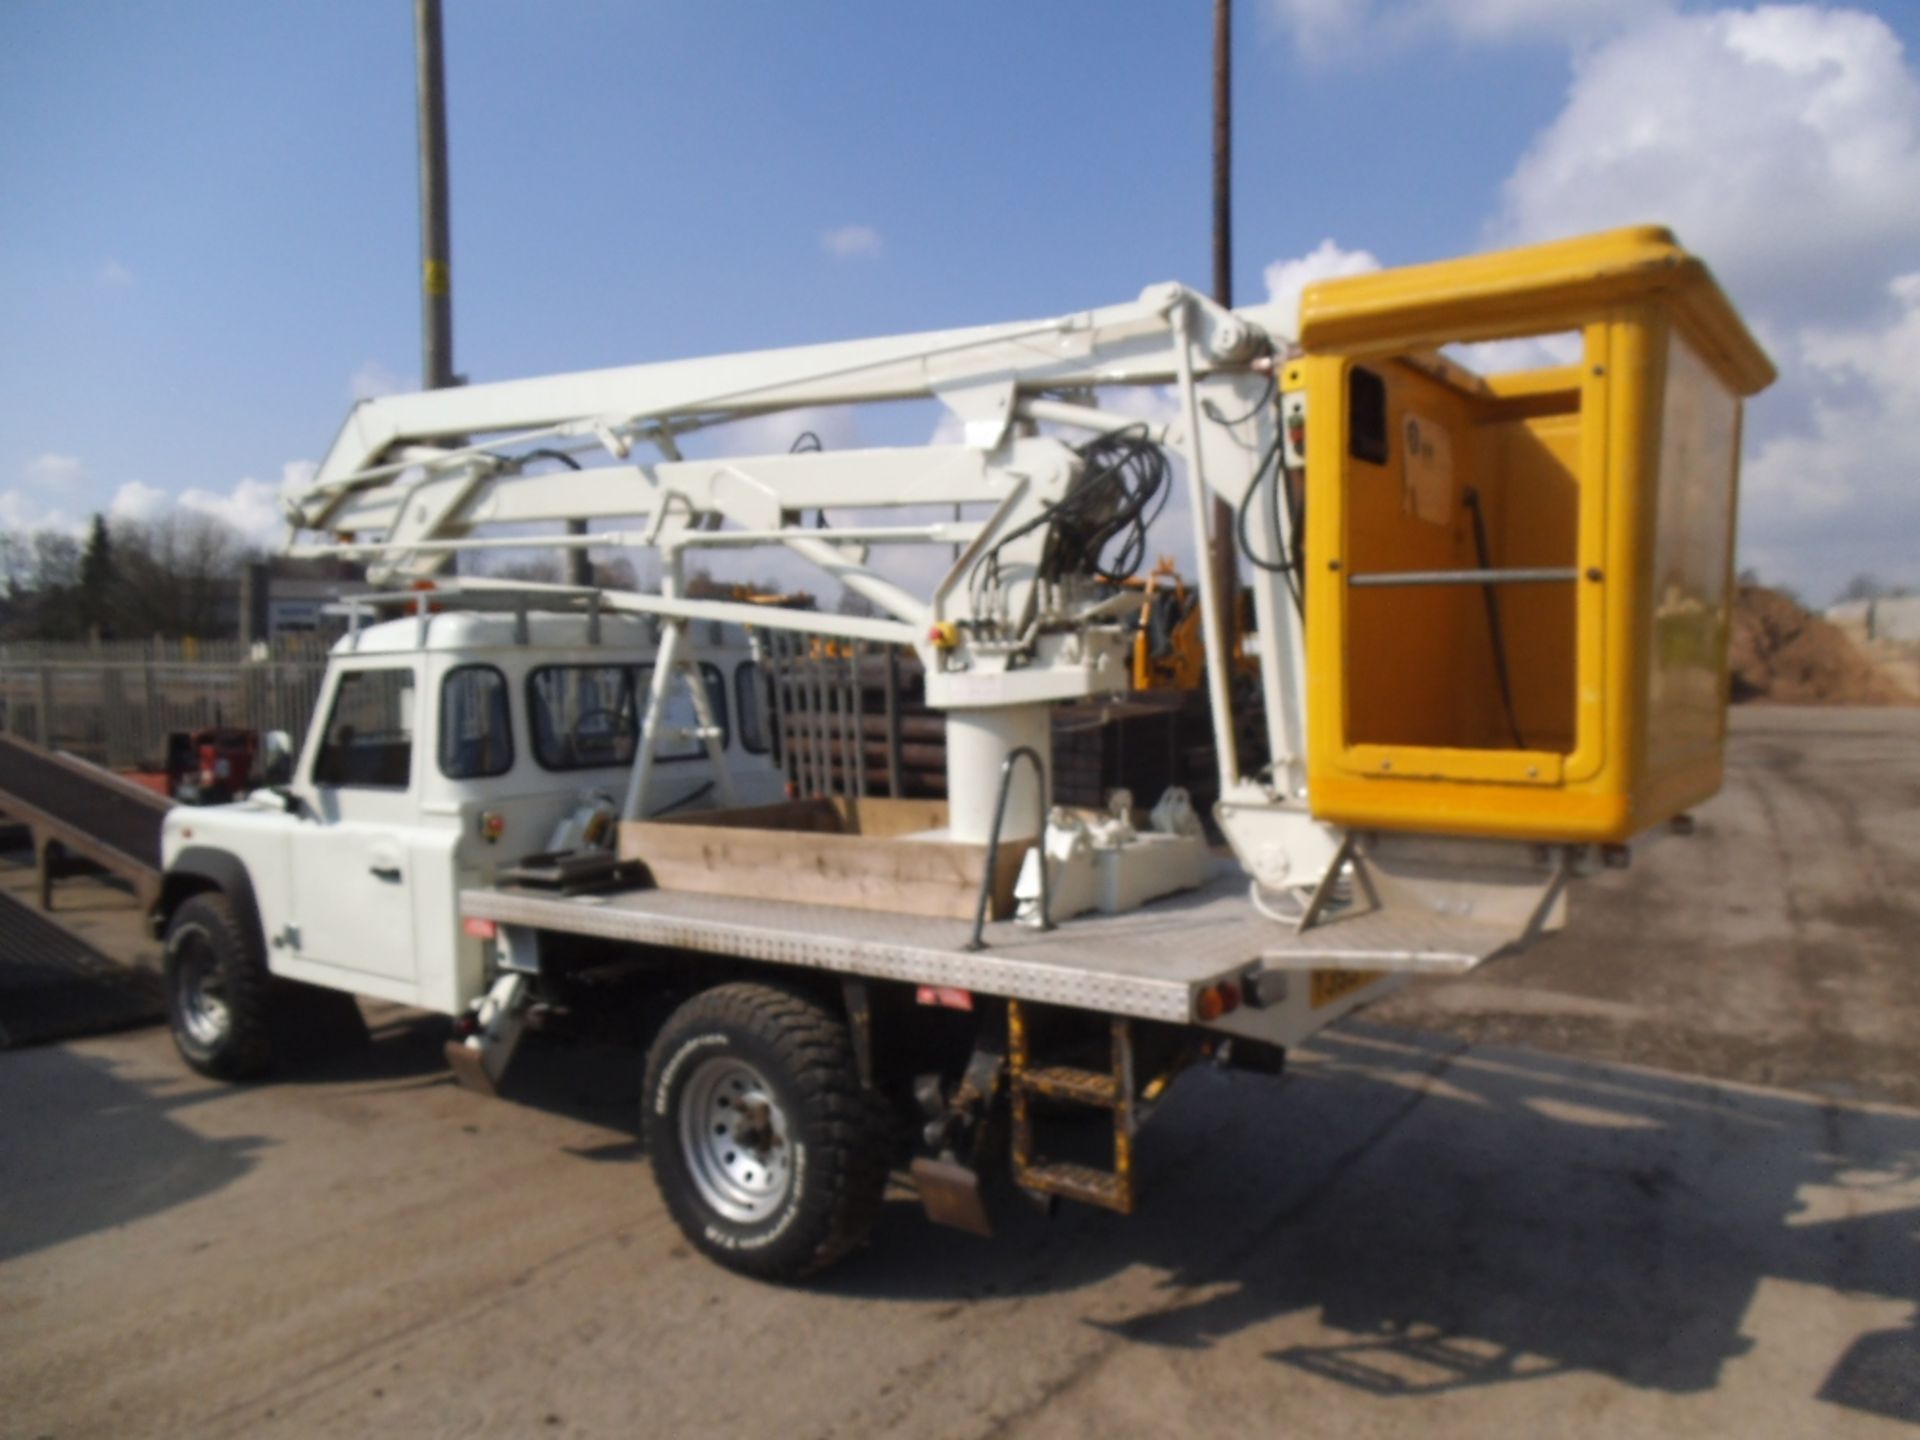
1123, 488
1271, 476
1122, 492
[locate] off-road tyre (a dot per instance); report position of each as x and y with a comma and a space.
212, 955
836, 1131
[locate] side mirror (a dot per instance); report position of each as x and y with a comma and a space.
277, 757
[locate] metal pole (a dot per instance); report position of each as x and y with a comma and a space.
1223, 151
1226, 567
893, 722
436, 251
579, 562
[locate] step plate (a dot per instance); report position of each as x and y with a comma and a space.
1066, 1082
1078, 1182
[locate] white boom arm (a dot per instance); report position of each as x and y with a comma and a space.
1011, 624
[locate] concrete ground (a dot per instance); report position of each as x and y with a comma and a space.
1777, 945
1549, 1201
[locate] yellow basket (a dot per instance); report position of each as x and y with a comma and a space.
1522, 471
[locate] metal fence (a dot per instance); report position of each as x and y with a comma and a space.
850, 718
116, 702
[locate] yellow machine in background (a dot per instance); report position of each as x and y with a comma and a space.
1518, 584
1168, 652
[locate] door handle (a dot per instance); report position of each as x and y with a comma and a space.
386, 872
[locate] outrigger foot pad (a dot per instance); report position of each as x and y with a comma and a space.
950, 1194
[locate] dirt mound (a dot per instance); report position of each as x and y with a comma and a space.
1778, 651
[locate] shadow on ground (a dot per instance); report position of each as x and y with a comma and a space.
1460, 1218
1470, 1219
118, 1156
121, 1153
1444, 1218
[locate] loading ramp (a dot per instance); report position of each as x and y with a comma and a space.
78, 811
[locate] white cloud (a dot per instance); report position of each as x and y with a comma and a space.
373, 380
56, 472
1345, 29
113, 275
1781, 143
138, 503
1840, 493
1887, 357
1783, 146
253, 507
21, 514
852, 242
1287, 278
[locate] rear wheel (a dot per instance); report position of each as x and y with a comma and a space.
769, 1154
217, 988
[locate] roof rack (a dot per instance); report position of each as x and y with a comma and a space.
367, 606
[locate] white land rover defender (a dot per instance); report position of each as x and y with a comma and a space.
448, 745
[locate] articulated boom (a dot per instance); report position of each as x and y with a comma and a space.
1017, 621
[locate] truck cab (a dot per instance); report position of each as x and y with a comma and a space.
442, 748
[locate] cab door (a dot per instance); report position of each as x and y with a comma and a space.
353, 862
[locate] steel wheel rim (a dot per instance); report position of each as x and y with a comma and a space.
202, 1002
736, 1140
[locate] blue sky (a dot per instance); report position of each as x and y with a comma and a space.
208, 217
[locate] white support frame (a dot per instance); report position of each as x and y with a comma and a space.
423, 473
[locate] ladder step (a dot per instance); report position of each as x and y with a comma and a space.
1069, 1082
1079, 1182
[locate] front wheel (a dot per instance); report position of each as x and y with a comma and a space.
770, 1155
217, 989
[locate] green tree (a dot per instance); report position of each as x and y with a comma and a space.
96, 598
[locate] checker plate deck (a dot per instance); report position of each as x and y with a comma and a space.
1149, 963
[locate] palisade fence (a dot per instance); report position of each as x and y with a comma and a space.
115, 702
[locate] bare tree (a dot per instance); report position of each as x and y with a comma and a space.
614, 573
1861, 587
533, 569
852, 602
42, 574
177, 575
56, 561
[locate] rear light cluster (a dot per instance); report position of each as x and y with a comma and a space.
1217, 1000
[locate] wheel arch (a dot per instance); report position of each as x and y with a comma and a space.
198, 869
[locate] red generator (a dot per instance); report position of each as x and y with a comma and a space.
211, 765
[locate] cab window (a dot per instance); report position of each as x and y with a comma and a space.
476, 727
583, 717
750, 696
680, 714
368, 741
